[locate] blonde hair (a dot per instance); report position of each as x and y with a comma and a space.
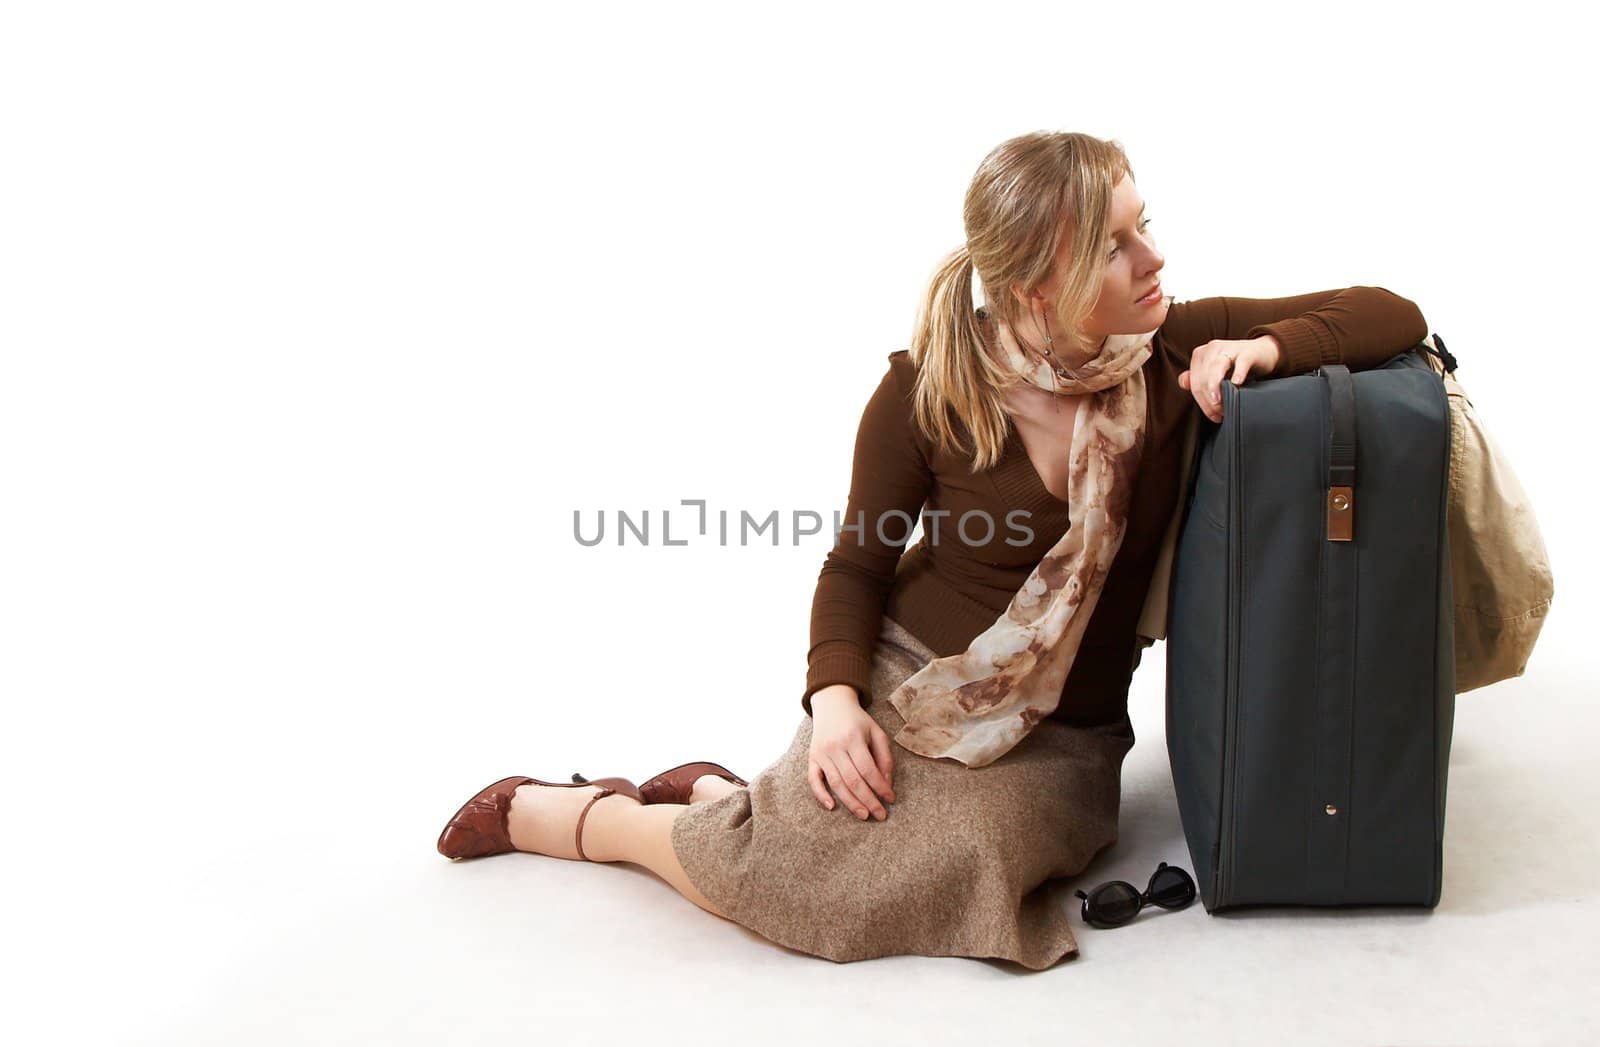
1027, 193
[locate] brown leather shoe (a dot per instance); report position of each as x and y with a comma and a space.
676, 785
478, 829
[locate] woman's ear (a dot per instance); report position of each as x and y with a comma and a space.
1023, 298
1030, 303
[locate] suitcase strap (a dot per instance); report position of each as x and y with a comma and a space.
1328, 838
1342, 454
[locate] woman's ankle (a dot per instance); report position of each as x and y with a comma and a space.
544, 819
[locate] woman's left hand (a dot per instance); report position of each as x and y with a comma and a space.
1212, 363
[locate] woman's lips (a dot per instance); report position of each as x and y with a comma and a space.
1151, 298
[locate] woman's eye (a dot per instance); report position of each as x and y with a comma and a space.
1114, 250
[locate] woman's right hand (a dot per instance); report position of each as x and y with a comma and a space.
849, 752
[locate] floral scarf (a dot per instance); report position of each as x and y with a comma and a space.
976, 705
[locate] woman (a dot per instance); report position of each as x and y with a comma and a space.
977, 685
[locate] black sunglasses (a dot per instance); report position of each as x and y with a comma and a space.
1114, 904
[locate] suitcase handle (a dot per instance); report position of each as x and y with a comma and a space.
1341, 505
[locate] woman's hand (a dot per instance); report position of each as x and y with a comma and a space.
1212, 362
851, 752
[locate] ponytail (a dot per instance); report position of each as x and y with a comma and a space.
956, 374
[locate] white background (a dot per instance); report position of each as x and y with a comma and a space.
320, 320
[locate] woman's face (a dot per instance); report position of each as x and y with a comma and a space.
1132, 267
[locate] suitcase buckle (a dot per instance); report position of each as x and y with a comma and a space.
1341, 514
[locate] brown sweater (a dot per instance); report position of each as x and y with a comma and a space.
949, 591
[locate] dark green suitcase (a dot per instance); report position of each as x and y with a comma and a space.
1310, 663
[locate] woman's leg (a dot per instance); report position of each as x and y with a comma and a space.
711, 787
618, 828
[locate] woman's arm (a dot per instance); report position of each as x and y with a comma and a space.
889, 482
1360, 327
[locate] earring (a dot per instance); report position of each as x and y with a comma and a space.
1057, 369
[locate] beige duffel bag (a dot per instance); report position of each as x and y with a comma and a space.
1500, 572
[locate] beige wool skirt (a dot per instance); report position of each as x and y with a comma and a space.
970, 861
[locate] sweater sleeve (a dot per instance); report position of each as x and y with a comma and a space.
1360, 327
889, 482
